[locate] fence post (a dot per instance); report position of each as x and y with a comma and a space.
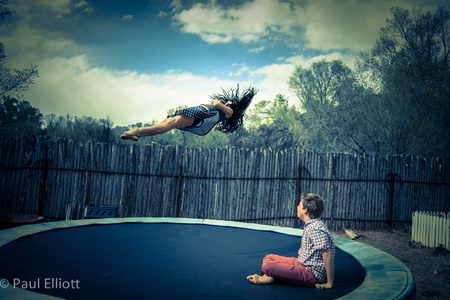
297, 202
87, 179
414, 226
177, 214
43, 188
392, 199
390, 180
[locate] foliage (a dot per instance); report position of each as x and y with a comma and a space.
325, 91
408, 69
396, 102
4, 11
18, 118
14, 82
79, 129
274, 124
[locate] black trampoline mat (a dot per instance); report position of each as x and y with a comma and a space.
160, 261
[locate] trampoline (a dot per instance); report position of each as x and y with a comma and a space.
175, 258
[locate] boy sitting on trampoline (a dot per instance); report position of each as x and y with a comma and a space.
314, 265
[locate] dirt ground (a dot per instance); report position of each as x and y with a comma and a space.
430, 266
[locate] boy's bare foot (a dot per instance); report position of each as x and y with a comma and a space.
131, 135
260, 279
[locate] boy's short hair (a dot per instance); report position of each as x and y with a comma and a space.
314, 204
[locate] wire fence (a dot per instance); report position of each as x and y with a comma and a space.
43, 177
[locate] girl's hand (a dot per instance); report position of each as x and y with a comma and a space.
223, 108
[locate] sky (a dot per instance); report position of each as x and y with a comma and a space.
132, 61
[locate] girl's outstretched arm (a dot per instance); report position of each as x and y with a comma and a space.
223, 108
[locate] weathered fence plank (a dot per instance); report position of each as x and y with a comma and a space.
232, 184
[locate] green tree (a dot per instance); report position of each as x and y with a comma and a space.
408, 71
324, 90
79, 129
274, 124
395, 103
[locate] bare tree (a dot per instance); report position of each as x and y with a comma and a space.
13, 82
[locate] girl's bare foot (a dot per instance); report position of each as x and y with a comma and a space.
131, 135
260, 279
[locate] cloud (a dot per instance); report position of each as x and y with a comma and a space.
81, 4
29, 8
72, 86
300, 60
324, 25
246, 23
350, 24
89, 10
177, 5
161, 14
242, 70
26, 45
257, 50
127, 18
273, 80
345, 24
238, 65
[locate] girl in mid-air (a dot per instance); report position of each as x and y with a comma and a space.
227, 110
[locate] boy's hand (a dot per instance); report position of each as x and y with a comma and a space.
329, 267
323, 286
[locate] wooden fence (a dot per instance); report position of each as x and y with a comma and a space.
44, 177
432, 229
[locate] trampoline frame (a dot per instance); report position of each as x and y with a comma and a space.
386, 276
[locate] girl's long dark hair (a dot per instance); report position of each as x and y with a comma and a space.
239, 105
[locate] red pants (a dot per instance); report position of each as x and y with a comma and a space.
288, 270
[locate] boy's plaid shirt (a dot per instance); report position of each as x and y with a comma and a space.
316, 237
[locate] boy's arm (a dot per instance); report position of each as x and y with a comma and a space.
223, 108
329, 266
